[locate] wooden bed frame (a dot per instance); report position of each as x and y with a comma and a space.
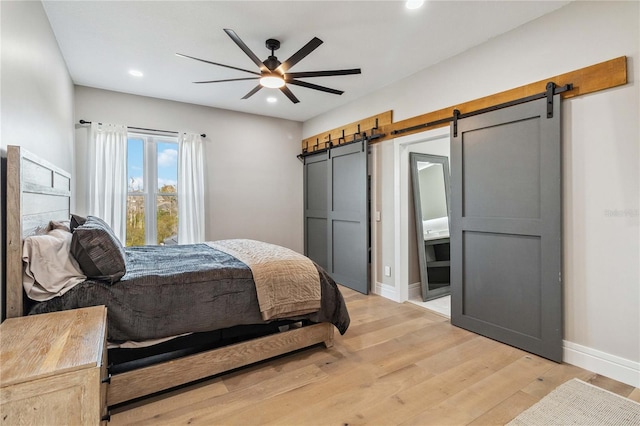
37, 192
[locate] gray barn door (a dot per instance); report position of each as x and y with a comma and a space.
336, 214
506, 236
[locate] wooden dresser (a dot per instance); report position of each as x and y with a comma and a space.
52, 368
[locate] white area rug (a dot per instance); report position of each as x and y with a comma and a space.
578, 403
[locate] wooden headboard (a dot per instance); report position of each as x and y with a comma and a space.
37, 192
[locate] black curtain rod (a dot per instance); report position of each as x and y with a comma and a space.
142, 128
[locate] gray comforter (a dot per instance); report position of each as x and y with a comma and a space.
172, 290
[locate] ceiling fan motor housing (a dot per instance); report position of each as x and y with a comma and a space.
272, 62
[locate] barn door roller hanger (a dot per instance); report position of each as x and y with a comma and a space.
358, 137
552, 90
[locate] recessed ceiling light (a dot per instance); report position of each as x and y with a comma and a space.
414, 4
136, 73
272, 100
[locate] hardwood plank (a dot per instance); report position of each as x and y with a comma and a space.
200, 393
389, 319
375, 337
247, 377
433, 340
611, 385
355, 400
635, 395
411, 403
342, 375
427, 373
555, 377
144, 381
473, 347
480, 397
285, 408
210, 411
507, 410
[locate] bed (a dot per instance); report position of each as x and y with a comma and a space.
214, 305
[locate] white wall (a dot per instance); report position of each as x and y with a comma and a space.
254, 180
601, 137
36, 92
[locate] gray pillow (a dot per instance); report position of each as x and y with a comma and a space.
76, 221
98, 251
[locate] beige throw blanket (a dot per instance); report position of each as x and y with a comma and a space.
287, 283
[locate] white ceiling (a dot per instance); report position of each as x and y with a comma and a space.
102, 40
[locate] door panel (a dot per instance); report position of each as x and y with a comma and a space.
506, 231
348, 217
346, 182
317, 240
347, 265
336, 214
484, 282
316, 175
315, 208
510, 188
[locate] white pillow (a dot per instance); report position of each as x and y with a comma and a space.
50, 270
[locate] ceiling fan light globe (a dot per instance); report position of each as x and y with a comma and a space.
272, 81
414, 4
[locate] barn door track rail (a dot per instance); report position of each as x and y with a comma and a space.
357, 137
552, 90
578, 82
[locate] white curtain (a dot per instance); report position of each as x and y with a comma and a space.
190, 189
107, 166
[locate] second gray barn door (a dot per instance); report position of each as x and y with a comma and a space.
336, 214
506, 236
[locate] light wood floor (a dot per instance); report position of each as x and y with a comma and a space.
398, 364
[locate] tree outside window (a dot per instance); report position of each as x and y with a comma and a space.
152, 201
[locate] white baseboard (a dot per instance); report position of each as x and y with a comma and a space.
387, 291
614, 367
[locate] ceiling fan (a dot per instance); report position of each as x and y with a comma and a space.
273, 73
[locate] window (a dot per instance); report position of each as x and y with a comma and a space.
152, 199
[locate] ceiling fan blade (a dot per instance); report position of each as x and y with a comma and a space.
315, 86
291, 96
215, 63
246, 49
329, 73
229, 79
252, 92
300, 54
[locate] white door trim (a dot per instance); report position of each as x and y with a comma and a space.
401, 205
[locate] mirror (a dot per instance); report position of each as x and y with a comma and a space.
430, 178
